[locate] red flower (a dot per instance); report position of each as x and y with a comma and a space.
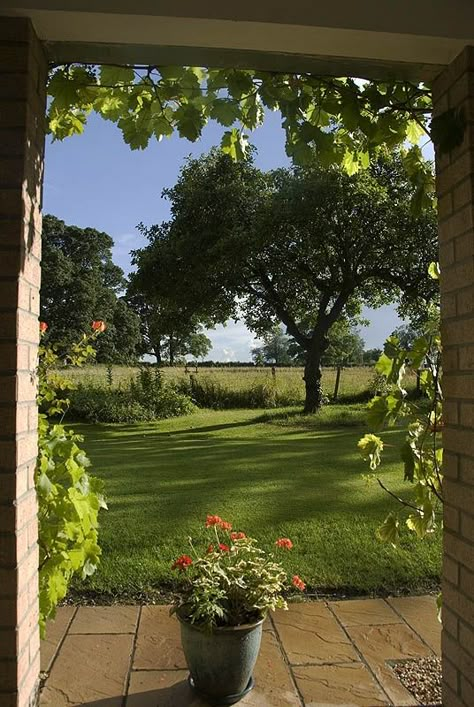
285, 543
298, 583
237, 536
182, 562
210, 549
213, 520
43, 327
224, 548
98, 325
225, 525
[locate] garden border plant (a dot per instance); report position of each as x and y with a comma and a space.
69, 498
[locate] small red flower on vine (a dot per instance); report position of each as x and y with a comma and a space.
182, 562
213, 520
43, 327
224, 525
223, 547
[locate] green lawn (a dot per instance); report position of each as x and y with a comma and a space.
295, 477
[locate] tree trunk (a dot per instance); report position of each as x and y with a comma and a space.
171, 351
157, 354
312, 379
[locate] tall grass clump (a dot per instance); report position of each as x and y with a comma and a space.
144, 398
207, 392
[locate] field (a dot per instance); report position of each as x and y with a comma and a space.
271, 474
353, 381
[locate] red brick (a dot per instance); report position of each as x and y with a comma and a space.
450, 569
450, 621
467, 526
451, 519
459, 440
466, 637
466, 471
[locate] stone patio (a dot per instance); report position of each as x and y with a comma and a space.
316, 654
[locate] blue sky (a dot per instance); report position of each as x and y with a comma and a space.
96, 180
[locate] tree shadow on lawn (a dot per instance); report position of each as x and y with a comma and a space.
286, 480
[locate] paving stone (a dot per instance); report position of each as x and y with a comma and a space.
161, 688
364, 612
165, 688
55, 631
158, 644
310, 634
422, 615
105, 619
89, 670
350, 685
379, 644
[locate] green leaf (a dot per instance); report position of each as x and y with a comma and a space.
225, 111
447, 129
434, 271
414, 132
189, 121
389, 531
408, 460
234, 144
116, 75
370, 447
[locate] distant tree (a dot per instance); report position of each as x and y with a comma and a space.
371, 356
406, 335
81, 283
301, 247
274, 349
345, 345
169, 332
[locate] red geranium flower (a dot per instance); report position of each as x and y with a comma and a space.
43, 327
98, 325
285, 543
298, 583
182, 562
225, 525
237, 536
224, 548
213, 520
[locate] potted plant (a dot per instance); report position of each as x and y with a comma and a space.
227, 593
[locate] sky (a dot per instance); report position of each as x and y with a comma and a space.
96, 180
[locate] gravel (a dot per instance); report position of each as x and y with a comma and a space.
421, 677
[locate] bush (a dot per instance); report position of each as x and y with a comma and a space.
144, 399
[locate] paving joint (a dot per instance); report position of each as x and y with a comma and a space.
360, 654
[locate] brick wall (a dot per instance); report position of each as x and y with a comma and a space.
22, 101
454, 88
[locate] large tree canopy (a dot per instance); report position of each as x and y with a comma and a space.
81, 283
298, 246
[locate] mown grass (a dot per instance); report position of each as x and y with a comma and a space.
272, 474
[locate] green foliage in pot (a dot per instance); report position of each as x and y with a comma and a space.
234, 582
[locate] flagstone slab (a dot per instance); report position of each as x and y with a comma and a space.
105, 619
421, 614
350, 685
379, 644
310, 634
161, 688
158, 644
169, 688
89, 669
55, 632
364, 612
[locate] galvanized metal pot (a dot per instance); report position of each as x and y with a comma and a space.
221, 662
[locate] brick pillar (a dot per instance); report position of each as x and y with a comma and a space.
22, 103
454, 88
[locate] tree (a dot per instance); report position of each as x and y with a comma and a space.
304, 247
81, 283
345, 345
169, 332
274, 349
371, 356
406, 335
344, 121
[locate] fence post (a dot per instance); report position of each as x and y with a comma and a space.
336, 385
